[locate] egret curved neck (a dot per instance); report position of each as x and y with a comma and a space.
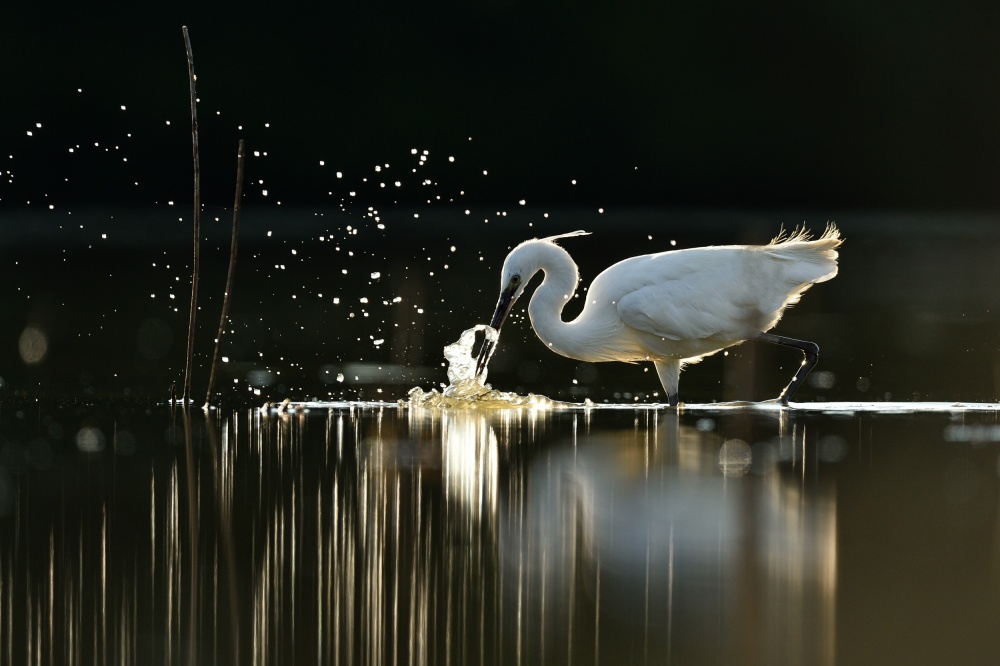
546, 306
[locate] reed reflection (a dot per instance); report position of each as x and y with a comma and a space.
384, 535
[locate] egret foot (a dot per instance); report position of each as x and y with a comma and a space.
810, 352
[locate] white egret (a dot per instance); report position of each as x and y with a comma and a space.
673, 308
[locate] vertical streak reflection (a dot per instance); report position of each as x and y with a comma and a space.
171, 559
52, 590
386, 536
223, 460
193, 524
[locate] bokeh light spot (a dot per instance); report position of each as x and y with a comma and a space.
734, 457
33, 345
90, 439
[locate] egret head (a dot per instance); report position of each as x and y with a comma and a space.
516, 276
518, 268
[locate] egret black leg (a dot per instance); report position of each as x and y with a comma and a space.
672, 400
810, 350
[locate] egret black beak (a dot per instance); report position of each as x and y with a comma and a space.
504, 306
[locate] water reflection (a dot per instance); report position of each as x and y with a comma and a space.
640, 544
392, 535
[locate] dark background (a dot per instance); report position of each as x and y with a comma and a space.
458, 131
774, 104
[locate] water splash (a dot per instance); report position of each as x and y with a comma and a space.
464, 388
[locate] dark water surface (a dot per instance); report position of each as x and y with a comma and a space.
388, 535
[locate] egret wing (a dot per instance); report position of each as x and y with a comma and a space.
688, 295
670, 310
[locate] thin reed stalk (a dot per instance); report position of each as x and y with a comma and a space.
233, 244
196, 265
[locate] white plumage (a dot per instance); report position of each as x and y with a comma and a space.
671, 308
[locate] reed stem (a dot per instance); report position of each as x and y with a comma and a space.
196, 267
233, 244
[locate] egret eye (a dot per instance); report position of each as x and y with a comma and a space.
515, 279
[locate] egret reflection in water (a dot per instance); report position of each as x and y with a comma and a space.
632, 545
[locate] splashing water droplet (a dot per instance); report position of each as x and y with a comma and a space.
466, 390
461, 362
